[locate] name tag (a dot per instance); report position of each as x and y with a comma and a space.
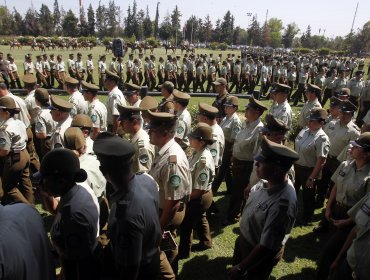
341, 173
366, 209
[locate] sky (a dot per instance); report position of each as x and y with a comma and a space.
333, 16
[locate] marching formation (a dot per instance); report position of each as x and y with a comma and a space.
143, 173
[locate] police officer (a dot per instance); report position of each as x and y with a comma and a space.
15, 158
71, 66
60, 111
221, 89
350, 186
96, 110
202, 171
230, 125
148, 103
134, 229
75, 227
85, 124
115, 96
312, 144
90, 69
131, 123
334, 109
364, 104
102, 70
45, 125
166, 104
183, 126
355, 85
268, 216
281, 109
129, 68
132, 94
75, 97
246, 145
171, 171
312, 94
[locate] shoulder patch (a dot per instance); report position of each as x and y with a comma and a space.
236, 129
143, 159
39, 125
172, 159
213, 152
2, 141
203, 177
175, 181
94, 118
180, 130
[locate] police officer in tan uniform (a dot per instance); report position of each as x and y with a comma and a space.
312, 93
268, 216
312, 144
183, 126
131, 123
202, 171
166, 104
170, 169
246, 145
75, 96
230, 125
281, 109
15, 185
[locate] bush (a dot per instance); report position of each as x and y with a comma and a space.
302, 50
213, 46
106, 40
324, 51
152, 41
223, 46
131, 39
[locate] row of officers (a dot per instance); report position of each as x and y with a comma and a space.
156, 187
244, 72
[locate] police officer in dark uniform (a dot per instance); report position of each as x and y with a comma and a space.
133, 225
166, 104
268, 216
221, 89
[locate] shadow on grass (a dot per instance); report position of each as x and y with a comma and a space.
306, 273
201, 267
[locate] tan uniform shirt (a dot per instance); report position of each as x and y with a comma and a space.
247, 140
13, 135
44, 122
340, 136
202, 170
23, 115
355, 86
144, 155
79, 104
31, 105
282, 112
171, 171
57, 137
310, 146
305, 112
231, 127
98, 114
217, 148
351, 182
115, 97
183, 127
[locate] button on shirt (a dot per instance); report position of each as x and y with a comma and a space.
231, 127
269, 215
13, 135
202, 170
340, 135
115, 97
351, 182
310, 145
247, 141
173, 176
133, 225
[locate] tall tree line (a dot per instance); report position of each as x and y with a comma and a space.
107, 21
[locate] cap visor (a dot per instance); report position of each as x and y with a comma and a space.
259, 158
355, 144
37, 175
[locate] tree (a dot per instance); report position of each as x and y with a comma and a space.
111, 19
128, 23
275, 26
207, 29
57, 18
306, 38
147, 24
46, 21
266, 35
192, 29
6, 21
227, 28
140, 21
83, 26
100, 20
254, 33
156, 22
290, 32
90, 21
69, 24
31, 23
18, 26
175, 21
165, 30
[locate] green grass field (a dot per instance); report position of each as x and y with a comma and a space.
302, 250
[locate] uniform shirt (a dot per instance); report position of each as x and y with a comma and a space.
264, 74
13, 67
358, 255
202, 168
339, 83
170, 170
89, 65
320, 81
133, 225
340, 135
283, 112
44, 122
329, 82
95, 180
52, 63
89, 146
351, 182
13, 135
112, 67
115, 97
247, 140
355, 86
303, 76
46, 66
79, 104
292, 76
74, 230
79, 66
57, 137
38, 67
183, 127
306, 111
71, 64
23, 115
231, 127
60, 67
310, 145
32, 107
269, 215
102, 67
217, 148
24, 245
98, 114
144, 155
29, 67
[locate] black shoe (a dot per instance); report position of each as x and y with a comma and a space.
200, 247
321, 229
228, 222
